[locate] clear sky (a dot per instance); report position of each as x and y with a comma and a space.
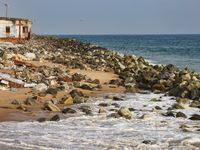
107, 16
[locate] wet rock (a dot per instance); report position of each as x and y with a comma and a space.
125, 112
180, 114
78, 99
174, 91
68, 110
146, 116
116, 105
102, 111
195, 117
114, 115
158, 86
158, 108
169, 113
104, 104
55, 118
156, 91
43, 120
154, 110
177, 106
112, 96
89, 100
149, 142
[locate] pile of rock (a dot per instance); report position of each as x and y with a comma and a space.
133, 72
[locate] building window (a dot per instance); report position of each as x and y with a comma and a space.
25, 29
7, 29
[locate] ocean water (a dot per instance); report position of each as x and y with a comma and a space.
97, 132
180, 50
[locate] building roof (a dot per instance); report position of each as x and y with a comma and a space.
15, 19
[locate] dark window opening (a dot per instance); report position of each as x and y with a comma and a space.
25, 29
7, 29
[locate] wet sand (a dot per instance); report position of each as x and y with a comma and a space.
10, 113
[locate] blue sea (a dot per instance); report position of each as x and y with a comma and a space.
180, 50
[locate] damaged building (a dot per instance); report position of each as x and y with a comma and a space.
15, 28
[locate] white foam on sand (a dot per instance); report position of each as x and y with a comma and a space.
101, 132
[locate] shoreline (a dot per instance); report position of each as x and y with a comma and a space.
22, 93
65, 63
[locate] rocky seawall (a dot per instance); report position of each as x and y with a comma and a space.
135, 74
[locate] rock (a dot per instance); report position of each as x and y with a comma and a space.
86, 87
116, 105
149, 142
66, 100
21, 107
42, 120
85, 107
154, 110
96, 81
68, 110
52, 107
33, 114
75, 92
169, 113
102, 111
177, 106
104, 104
125, 112
158, 86
158, 108
78, 99
146, 116
132, 109
30, 101
195, 117
112, 96
180, 114
174, 91
183, 100
40, 87
184, 126
30, 56
89, 100
16, 102
77, 77
54, 101
55, 118
52, 91
114, 115
156, 91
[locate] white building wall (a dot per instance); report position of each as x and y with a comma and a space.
14, 28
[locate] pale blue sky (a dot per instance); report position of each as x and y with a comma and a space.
107, 16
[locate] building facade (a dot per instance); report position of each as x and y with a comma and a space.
16, 28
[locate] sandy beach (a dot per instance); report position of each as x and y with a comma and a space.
10, 113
